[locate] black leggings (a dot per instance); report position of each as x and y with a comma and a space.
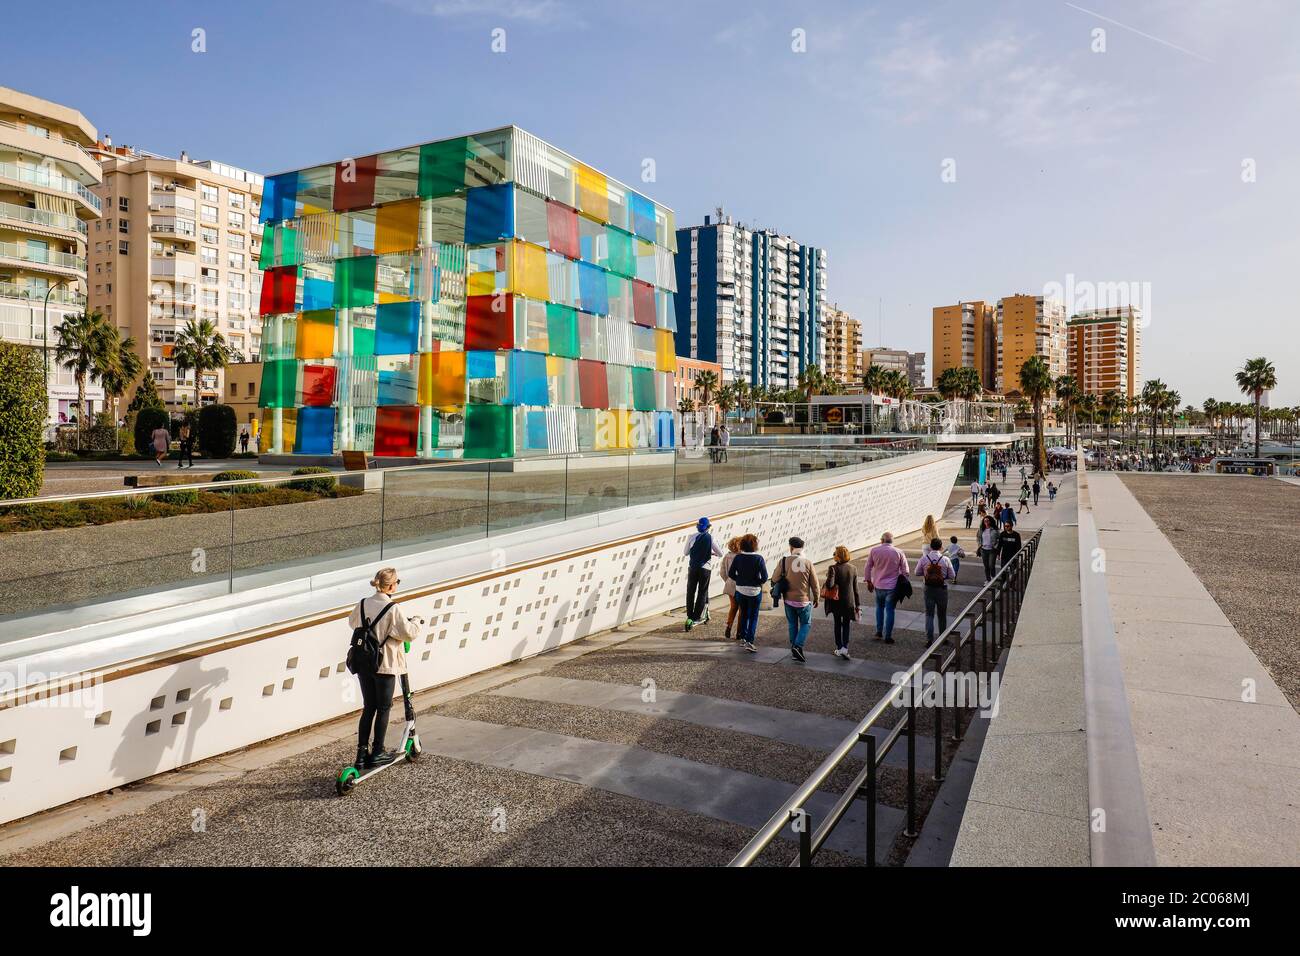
377, 702
841, 630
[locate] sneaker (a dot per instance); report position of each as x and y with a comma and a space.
877, 637
726, 635
889, 640
689, 624
381, 759
845, 655
749, 646
797, 654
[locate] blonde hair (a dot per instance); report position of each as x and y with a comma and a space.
733, 545
929, 529
384, 578
842, 554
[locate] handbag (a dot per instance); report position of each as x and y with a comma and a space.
903, 589
830, 592
779, 587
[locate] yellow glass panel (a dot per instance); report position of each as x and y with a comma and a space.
442, 379
665, 351
529, 276
481, 283
593, 193
554, 366
288, 427
397, 227
316, 334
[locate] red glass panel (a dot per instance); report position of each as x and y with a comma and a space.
643, 304
318, 384
396, 430
354, 183
489, 322
562, 229
279, 290
593, 384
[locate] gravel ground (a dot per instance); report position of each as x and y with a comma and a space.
1246, 519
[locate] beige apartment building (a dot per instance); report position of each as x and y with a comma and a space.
1028, 325
47, 204
963, 336
841, 346
178, 240
910, 364
1104, 350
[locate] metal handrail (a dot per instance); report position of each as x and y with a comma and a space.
993, 601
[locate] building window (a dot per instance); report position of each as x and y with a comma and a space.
124, 248
209, 236
208, 214
235, 260
237, 200
236, 220
208, 193
123, 226
123, 204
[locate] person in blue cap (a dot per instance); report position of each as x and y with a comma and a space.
701, 550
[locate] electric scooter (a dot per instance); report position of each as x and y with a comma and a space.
409, 748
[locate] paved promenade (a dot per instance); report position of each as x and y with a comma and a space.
646, 745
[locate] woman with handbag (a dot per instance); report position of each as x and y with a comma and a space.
840, 594
987, 538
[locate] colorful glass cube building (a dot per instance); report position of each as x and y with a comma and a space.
482, 297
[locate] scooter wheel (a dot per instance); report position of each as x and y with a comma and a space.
411, 753
347, 779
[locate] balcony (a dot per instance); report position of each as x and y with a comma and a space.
42, 259
43, 178
177, 230
60, 296
44, 220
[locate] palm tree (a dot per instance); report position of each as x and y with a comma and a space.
1036, 385
1153, 397
201, 347
1255, 378
87, 347
969, 385
706, 383
949, 383
1067, 394
1211, 409
1111, 403
122, 373
687, 407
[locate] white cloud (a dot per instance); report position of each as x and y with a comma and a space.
533, 11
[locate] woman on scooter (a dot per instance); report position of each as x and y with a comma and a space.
392, 630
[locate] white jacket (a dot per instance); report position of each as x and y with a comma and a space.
391, 631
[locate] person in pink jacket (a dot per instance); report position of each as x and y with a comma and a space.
884, 566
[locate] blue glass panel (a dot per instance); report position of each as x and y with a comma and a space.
315, 435
317, 294
279, 197
397, 328
643, 215
528, 385
399, 386
535, 430
480, 364
667, 433
593, 291
489, 214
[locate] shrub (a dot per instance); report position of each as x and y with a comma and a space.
146, 395
186, 497
146, 420
237, 475
217, 431
22, 420
318, 486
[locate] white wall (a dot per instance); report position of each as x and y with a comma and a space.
188, 704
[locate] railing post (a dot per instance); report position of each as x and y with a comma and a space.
383, 501
566, 487
801, 819
911, 763
871, 800
938, 723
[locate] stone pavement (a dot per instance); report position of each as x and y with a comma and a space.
647, 745
1217, 741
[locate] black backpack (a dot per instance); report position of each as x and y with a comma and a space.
365, 652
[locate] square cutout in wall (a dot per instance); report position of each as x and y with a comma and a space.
152, 727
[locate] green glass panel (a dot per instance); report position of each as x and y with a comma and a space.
562, 330
489, 431
354, 282
279, 384
442, 167
643, 389
363, 341
621, 258
288, 247
266, 258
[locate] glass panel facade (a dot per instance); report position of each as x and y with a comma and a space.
483, 296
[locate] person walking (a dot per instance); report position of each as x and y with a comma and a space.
1008, 542
1024, 498
969, 516
840, 595
724, 439
936, 571
1051, 491
161, 438
728, 585
715, 443
1037, 487
748, 571
885, 565
187, 446
701, 551
393, 631
243, 441
955, 553
988, 546
974, 493
798, 593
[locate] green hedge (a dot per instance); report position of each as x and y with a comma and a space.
146, 421
319, 486
22, 420
237, 475
186, 497
217, 431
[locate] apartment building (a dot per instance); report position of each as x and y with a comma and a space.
963, 336
749, 299
910, 364
1028, 325
47, 204
841, 336
1104, 350
179, 240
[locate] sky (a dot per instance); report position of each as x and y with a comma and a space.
1147, 150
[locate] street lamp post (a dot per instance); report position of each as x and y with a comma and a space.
45, 343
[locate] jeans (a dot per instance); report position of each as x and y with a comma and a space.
885, 600
377, 701
697, 592
936, 600
748, 625
841, 630
798, 619
956, 566
990, 557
